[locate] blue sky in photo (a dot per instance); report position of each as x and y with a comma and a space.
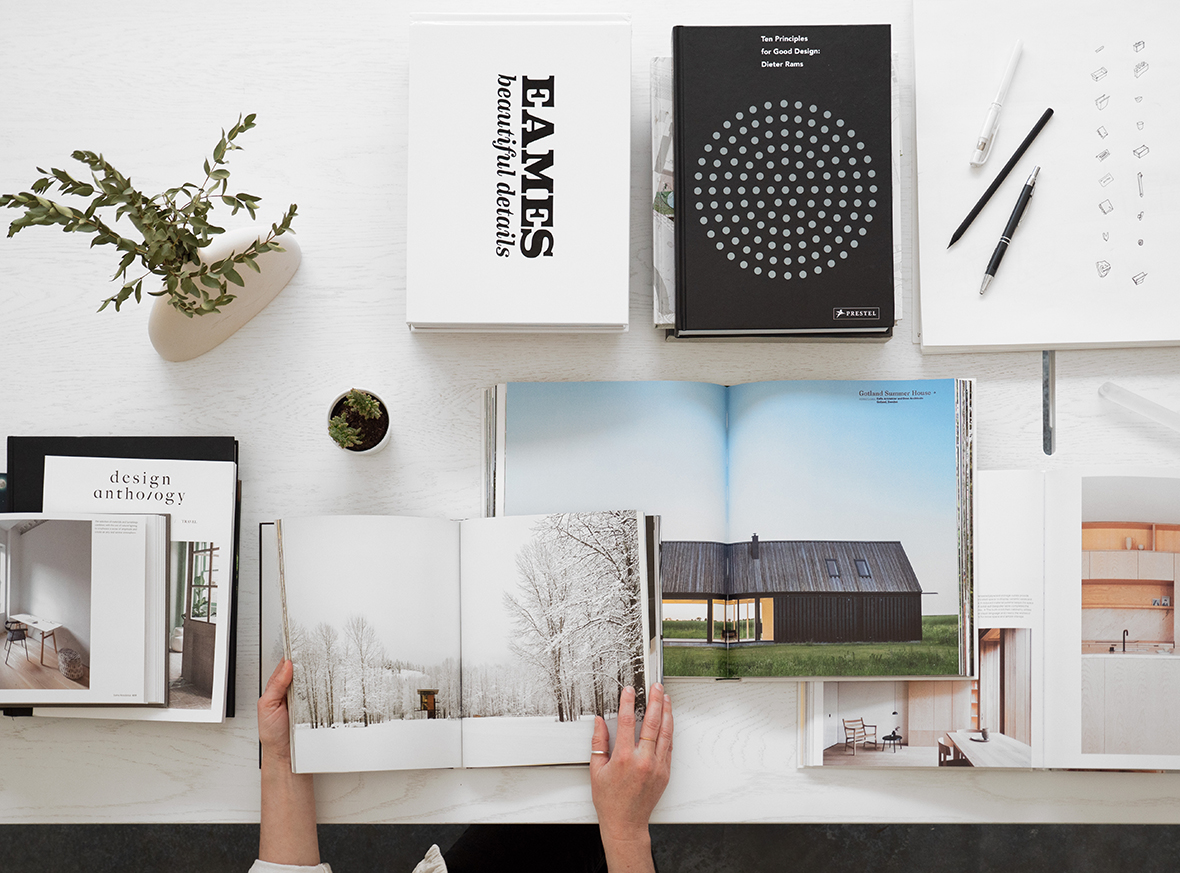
801, 460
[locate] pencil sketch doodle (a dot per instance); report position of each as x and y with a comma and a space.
1139, 179
1138, 99
1139, 216
1106, 236
1141, 151
1140, 69
1103, 155
1106, 206
1103, 269
1102, 133
1102, 101
1138, 46
1139, 124
1140, 242
1106, 180
1099, 74
1138, 278
1100, 48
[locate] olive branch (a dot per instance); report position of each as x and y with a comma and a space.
174, 225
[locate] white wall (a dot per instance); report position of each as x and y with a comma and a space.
51, 579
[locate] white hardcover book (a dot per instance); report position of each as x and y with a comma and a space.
519, 173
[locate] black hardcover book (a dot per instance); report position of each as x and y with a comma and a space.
782, 177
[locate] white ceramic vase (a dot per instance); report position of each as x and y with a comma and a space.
177, 337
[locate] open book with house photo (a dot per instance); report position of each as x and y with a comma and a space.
422, 643
82, 598
807, 528
1075, 593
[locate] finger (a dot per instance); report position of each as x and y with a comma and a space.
276, 685
650, 731
625, 736
664, 743
599, 746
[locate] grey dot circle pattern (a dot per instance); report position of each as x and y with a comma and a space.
786, 190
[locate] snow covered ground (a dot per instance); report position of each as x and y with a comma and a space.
393, 745
508, 742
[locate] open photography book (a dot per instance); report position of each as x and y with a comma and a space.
422, 643
1075, 608
83, 600
807, 528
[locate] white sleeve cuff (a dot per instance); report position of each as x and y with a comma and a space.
268, 867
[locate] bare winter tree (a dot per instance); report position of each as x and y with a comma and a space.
365, 655
576, 612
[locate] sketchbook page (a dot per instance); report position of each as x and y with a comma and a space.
554, 624
579, 446
372, 606
200, 497
850, 487
1091, 260
1112, 709
1009, 612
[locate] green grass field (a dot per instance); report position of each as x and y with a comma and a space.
936, 655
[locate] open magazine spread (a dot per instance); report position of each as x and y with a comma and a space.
807, 528
83, 604
1075, 606
199, 497
423, 643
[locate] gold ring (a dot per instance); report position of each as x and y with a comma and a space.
649, 739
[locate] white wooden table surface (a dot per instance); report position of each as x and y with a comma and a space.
150, 85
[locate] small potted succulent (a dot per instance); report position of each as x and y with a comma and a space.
359, 422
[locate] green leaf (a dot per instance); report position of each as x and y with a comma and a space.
209, 282
219, 174
253, 266
233, 276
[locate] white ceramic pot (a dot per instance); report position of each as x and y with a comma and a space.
388, 430
177, 337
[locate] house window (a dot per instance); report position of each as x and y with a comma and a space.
201, 596
833, 570
862, 569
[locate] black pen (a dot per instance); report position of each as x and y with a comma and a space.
1002, 246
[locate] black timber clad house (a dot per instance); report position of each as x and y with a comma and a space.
820, 591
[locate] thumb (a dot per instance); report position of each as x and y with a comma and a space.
599, 746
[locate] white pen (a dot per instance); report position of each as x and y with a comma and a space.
983, 144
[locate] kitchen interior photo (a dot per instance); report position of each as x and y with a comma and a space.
1130, 559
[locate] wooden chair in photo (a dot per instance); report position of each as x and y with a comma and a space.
949, 755
15, 632
856, 731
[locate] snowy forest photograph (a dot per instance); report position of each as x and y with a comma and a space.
553, 628
372, 606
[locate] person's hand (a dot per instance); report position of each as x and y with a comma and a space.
287, 832
274, 730
627, 784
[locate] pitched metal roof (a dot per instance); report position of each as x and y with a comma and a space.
784, 567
